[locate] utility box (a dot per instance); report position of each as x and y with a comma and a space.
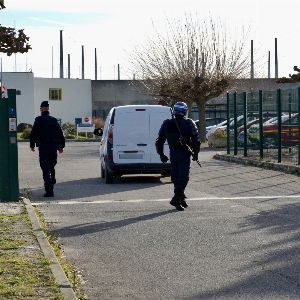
9, 178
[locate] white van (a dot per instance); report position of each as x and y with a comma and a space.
128, 141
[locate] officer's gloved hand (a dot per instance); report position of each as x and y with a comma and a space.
195, 157
164, 158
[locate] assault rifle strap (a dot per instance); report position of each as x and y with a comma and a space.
182, 139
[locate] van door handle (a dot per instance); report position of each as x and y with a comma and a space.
141, 144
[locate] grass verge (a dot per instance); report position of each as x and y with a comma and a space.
24, 272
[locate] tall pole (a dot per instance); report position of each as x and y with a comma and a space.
69, 66
61, 60
252, 62
276, 59
52, 62
269, 65
82, 62
95, 64
118, 72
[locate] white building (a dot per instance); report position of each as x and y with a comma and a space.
68, 98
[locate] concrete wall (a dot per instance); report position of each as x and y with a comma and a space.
76, 98
25, 102
109, 93
251, 85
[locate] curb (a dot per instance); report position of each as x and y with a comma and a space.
59, 274
289, 169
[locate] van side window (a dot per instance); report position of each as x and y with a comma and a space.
109, 120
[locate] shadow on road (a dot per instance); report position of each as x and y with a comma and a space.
88, 228
276, 255
89, 187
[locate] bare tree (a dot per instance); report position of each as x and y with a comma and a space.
292, 77
12, 40
194, 61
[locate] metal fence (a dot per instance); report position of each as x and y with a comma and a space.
264, 124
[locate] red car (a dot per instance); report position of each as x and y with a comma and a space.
289, 131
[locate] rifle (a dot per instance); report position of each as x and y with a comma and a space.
183, 142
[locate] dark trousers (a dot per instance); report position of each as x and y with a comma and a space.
180, 170
48, 160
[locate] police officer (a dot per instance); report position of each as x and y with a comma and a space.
183, 139
47, 135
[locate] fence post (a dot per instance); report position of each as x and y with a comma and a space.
290, 129
279, 154
227, 128
261, 133
245, 122
235, 124
298, 125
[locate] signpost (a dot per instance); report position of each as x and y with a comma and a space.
9, 179
84, 126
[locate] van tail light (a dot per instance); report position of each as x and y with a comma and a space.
110, 134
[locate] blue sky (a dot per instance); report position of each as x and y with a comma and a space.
114, 27
25, 18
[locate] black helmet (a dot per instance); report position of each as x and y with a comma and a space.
180, 108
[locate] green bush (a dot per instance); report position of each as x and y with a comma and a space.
26, 133
22, 126
70, 136
69, 129
89, 135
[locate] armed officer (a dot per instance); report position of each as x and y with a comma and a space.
47, 135
183, 138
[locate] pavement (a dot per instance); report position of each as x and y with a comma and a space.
41, 240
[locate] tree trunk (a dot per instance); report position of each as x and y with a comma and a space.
190, 104
202, 124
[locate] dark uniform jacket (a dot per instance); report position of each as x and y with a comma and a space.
169, 131
46, 132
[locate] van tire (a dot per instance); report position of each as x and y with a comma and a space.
109, 178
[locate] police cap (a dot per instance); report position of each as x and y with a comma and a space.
44, 104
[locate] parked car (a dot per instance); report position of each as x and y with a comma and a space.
211, 129
211, 121
128, 141
240, 122
289, 131
250, 124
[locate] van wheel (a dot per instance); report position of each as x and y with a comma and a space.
109, 178
102, 172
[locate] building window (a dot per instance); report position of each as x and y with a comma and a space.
55, 94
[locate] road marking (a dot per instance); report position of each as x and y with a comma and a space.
68, 202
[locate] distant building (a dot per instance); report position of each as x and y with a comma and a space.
68, 98
77, 98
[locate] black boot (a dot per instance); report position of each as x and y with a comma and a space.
49, 190
183, 202
176, 202
49, 194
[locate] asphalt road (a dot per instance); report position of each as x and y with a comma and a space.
239, 238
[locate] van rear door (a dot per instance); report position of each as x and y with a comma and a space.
158, 115
131, 135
